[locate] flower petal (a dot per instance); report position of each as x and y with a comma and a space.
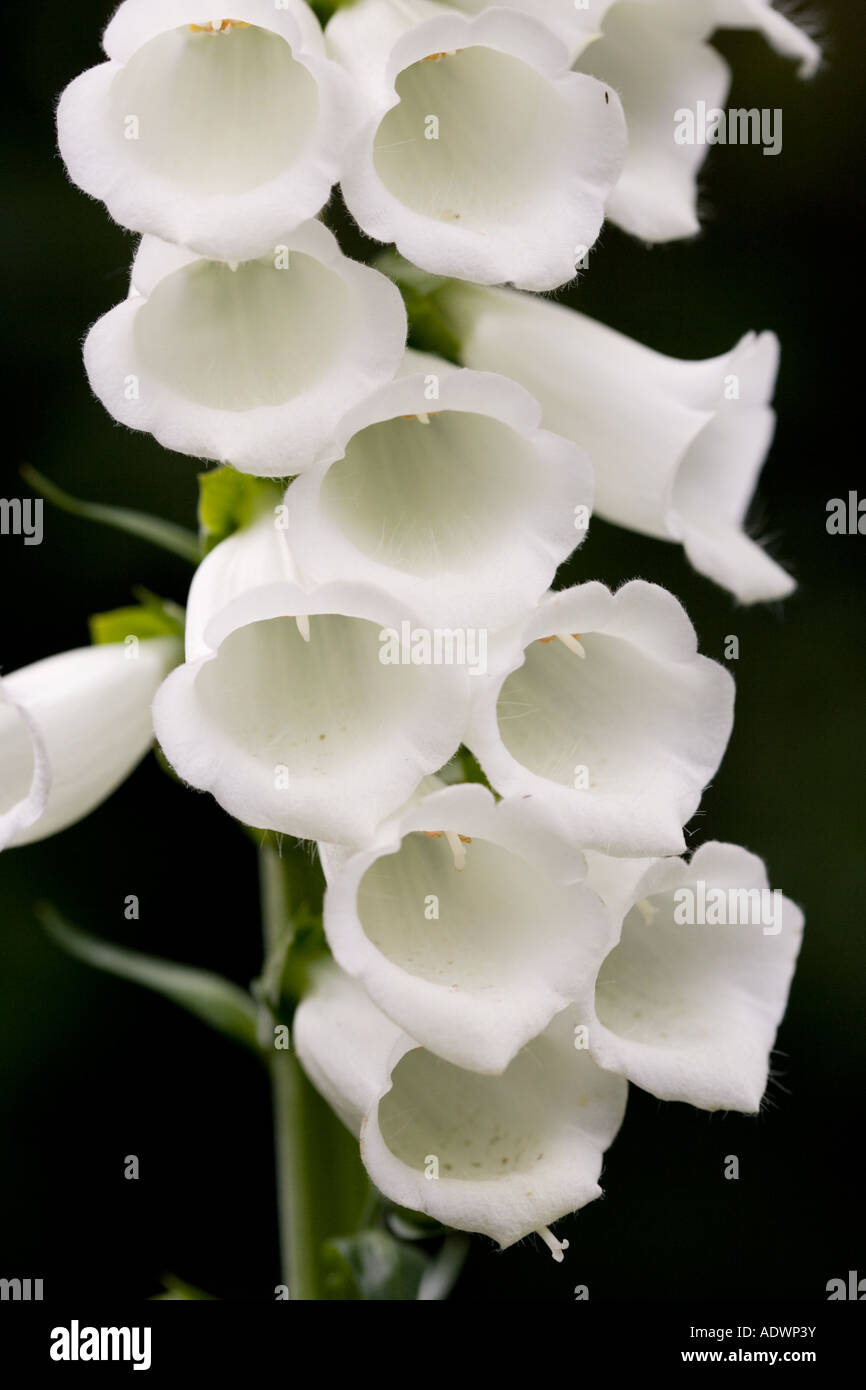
252, 365
467, 924
616, 747
301, 726
503, 1155
482, 155
677, 447
220, 136
657, 71
689, 1011
448, 495
72, 728
786, 37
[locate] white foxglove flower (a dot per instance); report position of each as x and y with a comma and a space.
467, 923
220, 135
677, 447
249, 364
605, 714
287, 709
688, 1002
655, 55
502, 1155
442, 488
480, 154
72, 727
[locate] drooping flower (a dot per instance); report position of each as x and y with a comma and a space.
480, 154
677, 447
441, 488
72, 728
289, 709
688, 1002
656, 56
249, 364
219, 135
467, 923
502, 1155
603, 711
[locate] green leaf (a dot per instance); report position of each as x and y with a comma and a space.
430, 329
463, 767
150, 617
177, 1290
229, 500
218, 1002
324, 9
413, 1225
155, 529
373, 1266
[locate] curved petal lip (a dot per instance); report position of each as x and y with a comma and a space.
135, 22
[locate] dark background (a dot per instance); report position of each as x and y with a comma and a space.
95, 1069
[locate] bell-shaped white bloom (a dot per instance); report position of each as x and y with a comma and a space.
72, 727
467, 923
655, 55
688, 1002
219, 135
502, 1155
290, 709
250, 364
677, 447
480, 154
442, 488
604, 712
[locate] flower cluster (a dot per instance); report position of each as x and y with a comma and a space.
505, 958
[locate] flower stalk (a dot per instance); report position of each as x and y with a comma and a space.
322, 1190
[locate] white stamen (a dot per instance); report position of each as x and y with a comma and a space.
556, 1247
303, 623
232, 265
457, 847
572, 643
647, 910
423, 417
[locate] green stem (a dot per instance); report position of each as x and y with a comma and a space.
297, 1254
321, 1184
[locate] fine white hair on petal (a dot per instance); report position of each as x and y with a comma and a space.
252, 364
